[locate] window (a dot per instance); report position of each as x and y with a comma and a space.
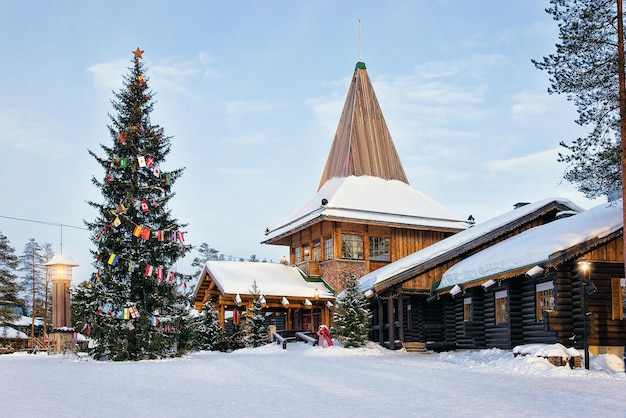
618, 298
544, 298
328, 248
296, 252
467, 309
379, 249
316, 250
351, 247
502, 300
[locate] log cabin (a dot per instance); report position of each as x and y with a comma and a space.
364, 215
403, 291
293, 301
535, 287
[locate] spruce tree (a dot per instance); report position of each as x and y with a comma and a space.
9, 287
133, 305
207, 332
352, 318
256, 333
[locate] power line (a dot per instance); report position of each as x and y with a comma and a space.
45, 223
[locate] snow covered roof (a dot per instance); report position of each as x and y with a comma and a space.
272, 279
537, 245
11, 333
63, 259
25, 321
474, 236
370, 199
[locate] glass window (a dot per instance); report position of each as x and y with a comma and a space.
317, 246
351, 247
296, 252
618, 298
544, 298
467, 309
379, 249
328, 248
502, 313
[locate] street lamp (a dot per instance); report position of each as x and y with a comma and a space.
586, 289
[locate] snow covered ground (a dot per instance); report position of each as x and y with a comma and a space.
311, 381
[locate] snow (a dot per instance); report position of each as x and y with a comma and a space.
368, 198
271, 278
536, 245
26, 321
462, 238
304, 380
11, 333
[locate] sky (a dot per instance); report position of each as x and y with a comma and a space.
252, 92
331, 382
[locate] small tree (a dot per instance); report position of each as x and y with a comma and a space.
205, 253
207, 332
352, 319
256, 333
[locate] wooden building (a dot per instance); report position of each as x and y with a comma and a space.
292, 300
364, 214
533, 288
405, 307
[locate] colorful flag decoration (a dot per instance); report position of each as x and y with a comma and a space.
134, 313
145, 233
159, 235
144, 206
131, 266
107, 308
113, 259
160, 273
149, 161
142, 161
123, 162
142, 131
137, 231
121, 208
181, 237
126, 313
117, 221
154, 320
149, 269
172, 276
156, 172
141, 79
167, 180
122, 138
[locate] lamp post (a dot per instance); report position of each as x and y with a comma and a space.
316, 296
60, 270
583, 268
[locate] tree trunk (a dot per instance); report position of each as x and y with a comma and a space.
622, 108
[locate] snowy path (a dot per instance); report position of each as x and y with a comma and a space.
304, 381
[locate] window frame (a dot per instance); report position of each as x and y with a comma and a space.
544, 291
351, 243
378, 254
501, 310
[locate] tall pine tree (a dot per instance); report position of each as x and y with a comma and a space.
133, 305
352, 318
9, 287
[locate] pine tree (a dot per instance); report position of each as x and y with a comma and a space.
9, 286
35, 285
256, 332
352, 319
205, 253
207, 332
133, 305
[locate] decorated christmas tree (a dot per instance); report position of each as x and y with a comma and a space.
256, 332
352, 318
133, 306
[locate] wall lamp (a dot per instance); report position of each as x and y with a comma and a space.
534, 272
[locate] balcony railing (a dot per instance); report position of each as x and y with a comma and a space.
310, 268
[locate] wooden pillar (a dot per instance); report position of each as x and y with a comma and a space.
289, 320
381, 326
392, 331
221, 316
400, 319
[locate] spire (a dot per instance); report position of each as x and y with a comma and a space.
362, 144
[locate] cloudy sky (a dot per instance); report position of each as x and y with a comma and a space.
252, 92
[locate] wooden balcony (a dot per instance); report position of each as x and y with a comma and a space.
310, 268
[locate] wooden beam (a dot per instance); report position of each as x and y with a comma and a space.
392, 331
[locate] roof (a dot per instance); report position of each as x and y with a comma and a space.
62, 259
362, 145
272, 279
539, 245
461, 242
370, 199
11, 333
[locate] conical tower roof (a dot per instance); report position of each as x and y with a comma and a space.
362, 145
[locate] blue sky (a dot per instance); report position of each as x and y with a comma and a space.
252, 93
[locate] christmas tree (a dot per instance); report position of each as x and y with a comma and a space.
256, 333
132, 305
352, 318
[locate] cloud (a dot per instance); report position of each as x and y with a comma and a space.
242, 107
108, 74
32, 132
